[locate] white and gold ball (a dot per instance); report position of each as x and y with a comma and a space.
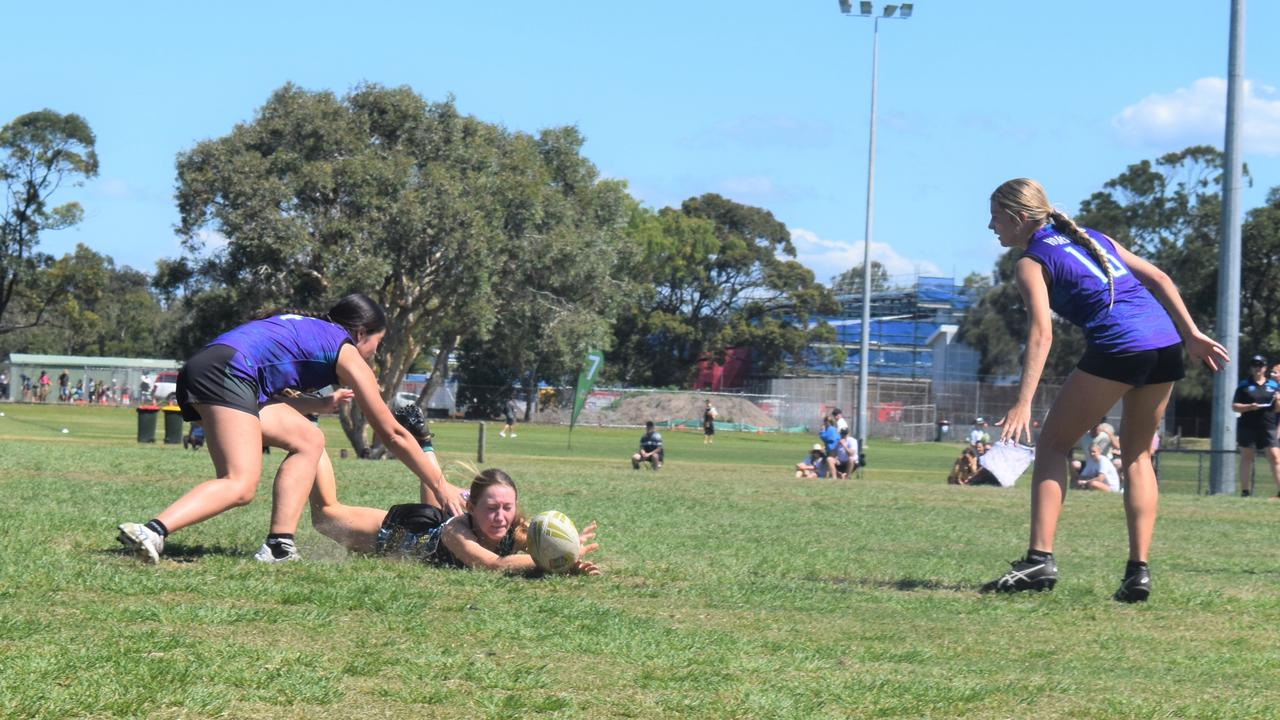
553, 541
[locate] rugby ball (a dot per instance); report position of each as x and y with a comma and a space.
553, 541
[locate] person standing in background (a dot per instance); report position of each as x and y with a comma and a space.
1255, 400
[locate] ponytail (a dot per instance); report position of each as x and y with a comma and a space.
1025, 198
356, 313
1070, 230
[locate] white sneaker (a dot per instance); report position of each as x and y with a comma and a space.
264, 554
502, 434
513, 434
141, 541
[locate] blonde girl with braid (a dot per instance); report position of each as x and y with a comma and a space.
1136, 327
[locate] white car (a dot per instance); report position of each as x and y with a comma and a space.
403, 398
165, 387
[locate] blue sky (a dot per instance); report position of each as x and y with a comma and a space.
764, 102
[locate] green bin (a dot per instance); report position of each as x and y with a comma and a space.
147, 423
173, 425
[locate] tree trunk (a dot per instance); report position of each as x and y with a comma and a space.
530, 393
439, 371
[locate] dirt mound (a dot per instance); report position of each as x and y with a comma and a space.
676, 407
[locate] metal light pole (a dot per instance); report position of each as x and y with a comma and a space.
891, 12
1222, 469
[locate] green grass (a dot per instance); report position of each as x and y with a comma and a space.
732, 591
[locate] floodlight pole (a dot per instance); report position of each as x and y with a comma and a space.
864, 361
1222, 466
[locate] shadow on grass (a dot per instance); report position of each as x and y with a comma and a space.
180, 553
908, 584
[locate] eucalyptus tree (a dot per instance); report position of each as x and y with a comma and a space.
40, 153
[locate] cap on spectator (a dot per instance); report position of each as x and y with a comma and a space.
1257, 360
819, 446
980, 421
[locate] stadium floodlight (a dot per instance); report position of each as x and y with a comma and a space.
846, 6
864, 359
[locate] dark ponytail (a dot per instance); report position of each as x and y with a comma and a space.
356, 313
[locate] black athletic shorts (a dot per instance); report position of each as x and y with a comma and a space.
1256, 437
206, 380
1146, 367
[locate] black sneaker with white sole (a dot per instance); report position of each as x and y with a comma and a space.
1025, 575
1135, 587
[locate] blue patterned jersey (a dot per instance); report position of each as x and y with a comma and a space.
286, 352
1078, 292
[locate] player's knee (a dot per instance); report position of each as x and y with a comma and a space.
243, 494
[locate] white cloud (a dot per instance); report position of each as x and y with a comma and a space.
828, 258
1197, 115
751, 189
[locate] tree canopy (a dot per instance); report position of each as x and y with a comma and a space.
718, 275
39, 153
426, 210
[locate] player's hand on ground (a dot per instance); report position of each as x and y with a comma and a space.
1207, 350
587, 535
1016, 424
585, 567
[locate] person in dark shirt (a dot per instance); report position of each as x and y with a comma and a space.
1256, 400
650, 448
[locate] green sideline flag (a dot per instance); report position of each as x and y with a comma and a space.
590, 369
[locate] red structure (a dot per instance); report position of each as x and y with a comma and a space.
731, 375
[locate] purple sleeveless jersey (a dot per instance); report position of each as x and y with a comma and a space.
286, 352
1078, 292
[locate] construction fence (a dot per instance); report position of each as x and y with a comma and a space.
900, 409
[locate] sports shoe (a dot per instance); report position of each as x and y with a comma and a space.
140, 540
1135, 588
264, 554
502, 434
514, 435
1025, 575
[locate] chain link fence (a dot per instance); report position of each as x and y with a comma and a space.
901, 409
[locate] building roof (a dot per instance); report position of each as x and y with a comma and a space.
61, 361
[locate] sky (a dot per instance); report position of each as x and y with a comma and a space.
764, 102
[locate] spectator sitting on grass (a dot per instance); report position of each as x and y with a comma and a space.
815, 465
1098, 473
845, 459
650, 448
978, 435
964, 468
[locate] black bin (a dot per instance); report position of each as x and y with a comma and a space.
147, 423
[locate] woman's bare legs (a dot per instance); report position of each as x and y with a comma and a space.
351, 526
1082, 400
1143, 408
285, 428
234, 438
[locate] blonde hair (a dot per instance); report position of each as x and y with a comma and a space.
1024, 198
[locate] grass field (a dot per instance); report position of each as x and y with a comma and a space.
732, 591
